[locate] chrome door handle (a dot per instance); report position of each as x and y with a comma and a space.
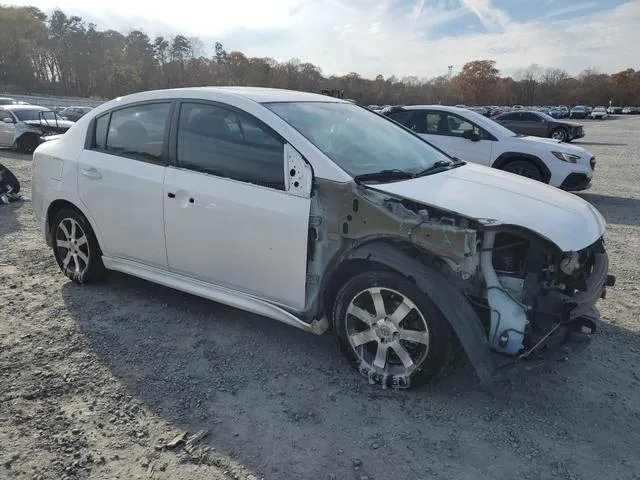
91, 173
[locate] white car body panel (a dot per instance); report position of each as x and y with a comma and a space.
485, 193
237, 235
245, 245
124, 198
599, 113
7, 134
486, 152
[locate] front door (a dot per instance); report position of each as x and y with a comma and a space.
7, 130
454, 131
230, 218
534, 125
120, 182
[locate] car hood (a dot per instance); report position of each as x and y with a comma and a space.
64, 124
483, 193
570, 124
551, 142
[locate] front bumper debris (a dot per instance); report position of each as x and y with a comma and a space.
568, 339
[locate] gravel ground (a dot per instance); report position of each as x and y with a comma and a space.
97, 380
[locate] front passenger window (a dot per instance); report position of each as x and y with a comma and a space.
458, 126
222, 142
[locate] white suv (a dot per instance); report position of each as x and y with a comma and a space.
474, 138
316, 212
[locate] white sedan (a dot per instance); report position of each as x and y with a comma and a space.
319, 213
474, 138
599, 112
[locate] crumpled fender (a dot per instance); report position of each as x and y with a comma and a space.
452, 303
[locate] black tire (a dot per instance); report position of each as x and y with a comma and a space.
28, 143
429, 355
7, 178
524, 168
560, 134
76, 267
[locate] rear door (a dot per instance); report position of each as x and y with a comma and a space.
7, 130
436, 130
424, 124
120, 181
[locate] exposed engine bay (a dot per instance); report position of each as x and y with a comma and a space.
535, 294
527, 293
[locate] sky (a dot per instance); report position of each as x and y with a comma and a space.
390, 37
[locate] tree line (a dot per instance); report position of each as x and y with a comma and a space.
58, 54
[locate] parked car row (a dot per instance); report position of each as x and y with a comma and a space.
472, 137
348, 220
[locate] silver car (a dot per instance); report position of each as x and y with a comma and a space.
24, 126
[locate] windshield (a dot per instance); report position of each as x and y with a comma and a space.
26, 115
358, 140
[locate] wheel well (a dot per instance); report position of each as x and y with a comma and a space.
349, 268
503, 160
345, 271
522, 159
55, 207
27, 135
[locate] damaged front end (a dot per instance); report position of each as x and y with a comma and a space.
537, 297
528, 296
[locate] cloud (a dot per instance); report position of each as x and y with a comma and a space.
389, 37
572, 9
492, 18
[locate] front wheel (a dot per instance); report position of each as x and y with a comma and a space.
559, 134
75, 247
390, 330
28, 143
524, 168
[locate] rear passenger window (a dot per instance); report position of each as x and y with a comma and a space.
435, 124
102, 123
408, 118
225, 143
510, 117
138, 131
530, 117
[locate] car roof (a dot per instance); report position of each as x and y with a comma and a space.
23, 107
257, 94
445, 108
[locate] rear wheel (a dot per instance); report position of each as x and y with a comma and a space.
524, 168
28, 143
390, 330
75, 247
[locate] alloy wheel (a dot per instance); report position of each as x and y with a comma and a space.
73, 247
387, 331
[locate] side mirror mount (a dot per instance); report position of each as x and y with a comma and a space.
8, 120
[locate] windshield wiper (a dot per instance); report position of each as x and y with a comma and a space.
382, 175
441, 166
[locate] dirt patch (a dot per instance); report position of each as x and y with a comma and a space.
95, 381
